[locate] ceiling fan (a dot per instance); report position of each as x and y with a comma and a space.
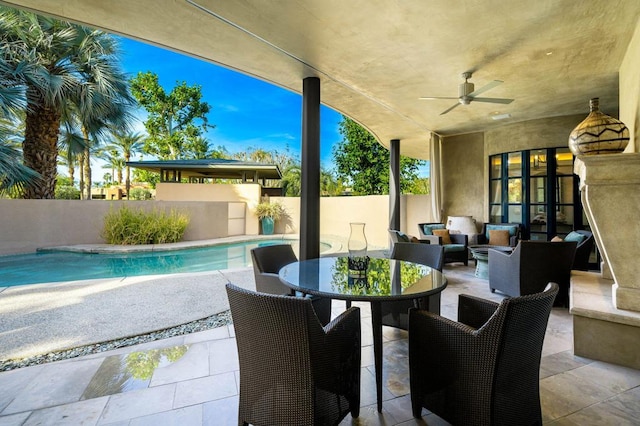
467, 94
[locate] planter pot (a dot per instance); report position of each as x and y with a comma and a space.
267, 225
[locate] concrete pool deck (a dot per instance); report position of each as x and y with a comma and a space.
42, 318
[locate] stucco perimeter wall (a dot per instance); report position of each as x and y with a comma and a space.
630, 91
27, 225
337, 212
248, 193
463, 177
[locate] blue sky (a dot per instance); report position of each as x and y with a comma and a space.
247, 112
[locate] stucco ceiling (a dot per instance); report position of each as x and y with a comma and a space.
376, 58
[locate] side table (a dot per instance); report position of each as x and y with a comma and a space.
480, 254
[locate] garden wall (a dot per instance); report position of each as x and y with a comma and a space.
31, 224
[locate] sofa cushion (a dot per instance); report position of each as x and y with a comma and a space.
444, 233
513, 229
454, 247
574, 236
499, 237
556, 239
427, 229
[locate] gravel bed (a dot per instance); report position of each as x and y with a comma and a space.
217, 320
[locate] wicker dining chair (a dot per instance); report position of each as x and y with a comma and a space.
267, 262
396, 313
484, 369
294, 371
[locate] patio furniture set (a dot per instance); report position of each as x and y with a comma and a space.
298, 368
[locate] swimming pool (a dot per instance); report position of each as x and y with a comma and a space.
56, 266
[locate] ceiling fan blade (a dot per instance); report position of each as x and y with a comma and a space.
434, 98
447, 110
493, 100
483, 89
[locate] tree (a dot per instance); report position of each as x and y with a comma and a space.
13, 174
364, 163
58, 66
127, 144
176, 120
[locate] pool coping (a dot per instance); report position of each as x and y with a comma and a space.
335, 243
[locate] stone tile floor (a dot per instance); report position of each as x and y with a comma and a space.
193, 380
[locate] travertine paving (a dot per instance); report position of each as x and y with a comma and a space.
193, 379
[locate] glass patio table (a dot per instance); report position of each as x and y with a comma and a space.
376, 281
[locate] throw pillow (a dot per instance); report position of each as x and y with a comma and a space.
498, 237
444, 233
402, 237
414, 240
574, 236
556, 239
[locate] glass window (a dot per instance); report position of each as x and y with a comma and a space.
564, 190
538, 215
564, 161
538, 189
496, 214
538, 237
515, 191
538, 162
515, 214
495, 171
514, 164
496, 191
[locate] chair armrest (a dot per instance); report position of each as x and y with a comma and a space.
267, 282
473, 311
482, 239
459, 239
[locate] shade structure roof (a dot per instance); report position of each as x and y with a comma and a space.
212, 168
375, 59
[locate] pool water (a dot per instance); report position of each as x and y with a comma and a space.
56, 266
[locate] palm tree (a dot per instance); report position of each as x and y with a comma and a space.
128, 144
59, 66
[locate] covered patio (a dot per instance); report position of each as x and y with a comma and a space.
200, 386
373, 62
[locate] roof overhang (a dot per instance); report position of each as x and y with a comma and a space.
214, 169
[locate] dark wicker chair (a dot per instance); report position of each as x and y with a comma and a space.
396, 313
530, 266
267, 262
484, 369
294, 371
457, 251
515, 232
583, 251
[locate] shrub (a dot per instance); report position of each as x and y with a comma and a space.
272, 210
139, 194
128, 226
67, 192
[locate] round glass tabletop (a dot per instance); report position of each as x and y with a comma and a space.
377, 278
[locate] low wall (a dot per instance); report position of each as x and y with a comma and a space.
27, 225
337, 212
31, 224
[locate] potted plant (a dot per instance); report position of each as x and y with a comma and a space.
268, 213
